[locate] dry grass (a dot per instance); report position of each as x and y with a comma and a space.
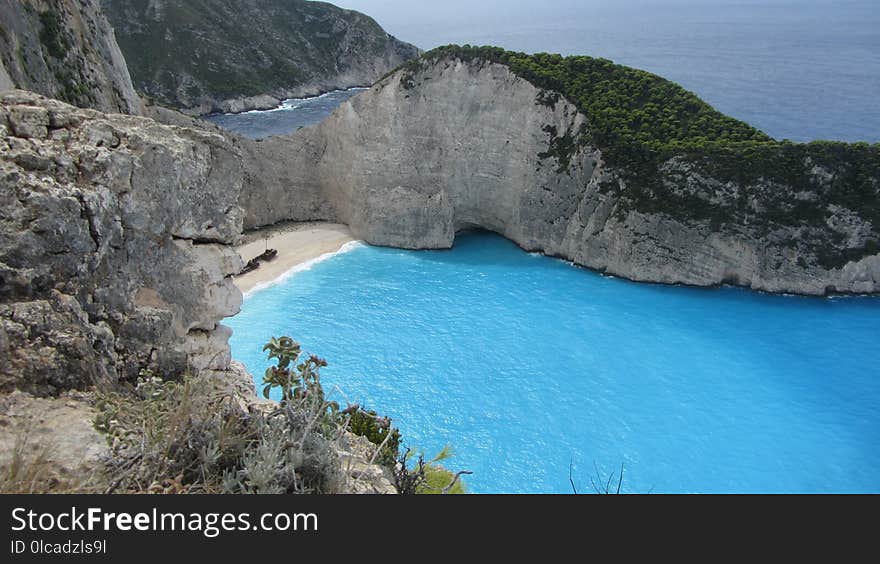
187, 437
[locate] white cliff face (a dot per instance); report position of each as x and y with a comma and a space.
458, 149
276, 189
456, 145
115, 246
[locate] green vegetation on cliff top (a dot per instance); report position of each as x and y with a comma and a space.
640, 121
626, 106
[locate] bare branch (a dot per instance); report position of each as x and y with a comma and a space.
620, 482
381, 446
451, 485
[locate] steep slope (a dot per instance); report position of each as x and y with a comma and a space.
64, 49
115, 251
225, 55
609, 167
5, 80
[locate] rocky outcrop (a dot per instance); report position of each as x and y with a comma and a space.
115, 246
67, 50
272, 190
452, 145
203, 56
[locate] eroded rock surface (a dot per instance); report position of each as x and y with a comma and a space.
115, 253
116, 257
51, 444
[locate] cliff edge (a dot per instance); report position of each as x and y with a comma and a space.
115, 246
116, 265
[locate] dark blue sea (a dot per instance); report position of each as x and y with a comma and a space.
289, 116
797, 69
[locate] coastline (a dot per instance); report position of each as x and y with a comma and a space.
282, 103
262, 102
298, 245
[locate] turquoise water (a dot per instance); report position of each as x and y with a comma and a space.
526, 365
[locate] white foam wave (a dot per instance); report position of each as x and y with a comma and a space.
294, 103
303, 266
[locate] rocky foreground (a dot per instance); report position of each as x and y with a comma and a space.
116, 259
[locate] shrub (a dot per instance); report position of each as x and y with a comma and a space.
377, 430
428, 477
189, 437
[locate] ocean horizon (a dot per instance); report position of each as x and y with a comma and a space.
797, 69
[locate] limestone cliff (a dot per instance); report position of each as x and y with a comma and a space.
66, 50
452, 144
115, 251
203, 56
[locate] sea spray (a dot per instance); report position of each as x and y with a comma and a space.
290, 115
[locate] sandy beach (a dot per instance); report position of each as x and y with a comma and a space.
296, 243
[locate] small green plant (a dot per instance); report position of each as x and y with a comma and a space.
302, 383
286, 351
428, 477
378, 430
